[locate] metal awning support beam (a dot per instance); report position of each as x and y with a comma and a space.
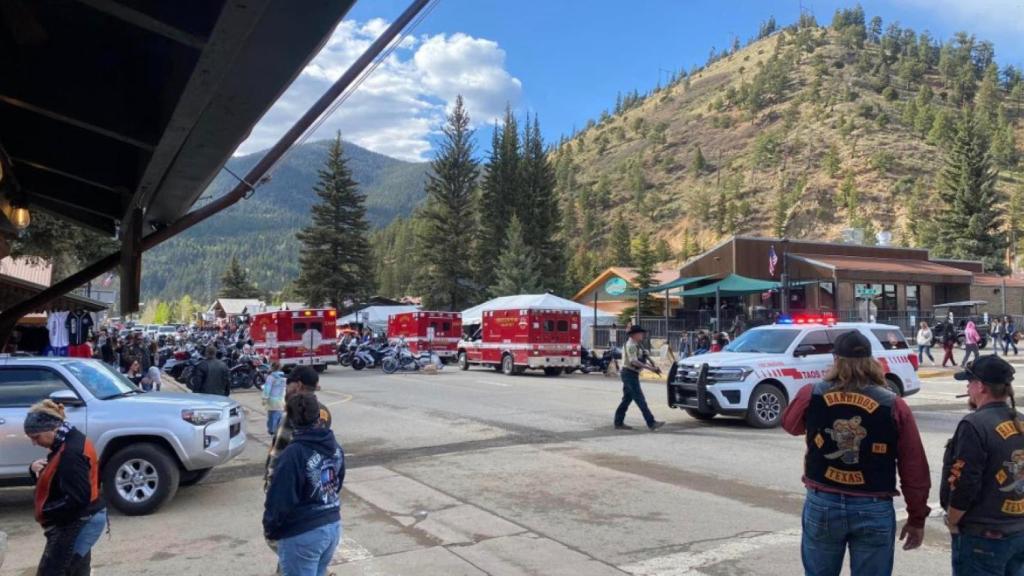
28, 106
9, 317
20, 162
146, 22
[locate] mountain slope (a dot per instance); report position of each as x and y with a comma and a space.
261, 230
803, 133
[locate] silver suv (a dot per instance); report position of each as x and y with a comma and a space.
148, 443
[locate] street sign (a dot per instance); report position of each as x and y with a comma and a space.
615, 286
867, 291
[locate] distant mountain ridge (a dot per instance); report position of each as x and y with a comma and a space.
261, 230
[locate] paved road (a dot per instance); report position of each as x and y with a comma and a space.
478, 473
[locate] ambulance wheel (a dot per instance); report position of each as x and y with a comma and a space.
767, 403
508, 365
893, 385
552, 371
320, 368
698, 415
463, 361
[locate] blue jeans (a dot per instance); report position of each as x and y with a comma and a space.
309, 553
833, 522
91, 532
923, 349
1007, 343
273, 420
632, 392
978, 556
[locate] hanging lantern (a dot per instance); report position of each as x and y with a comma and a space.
19, 215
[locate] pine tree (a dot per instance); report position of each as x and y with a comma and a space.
986, 102
970, 219
235, 282
334, 257
498, 199
517, 269
446, 276
697, 163
643, 277
942, 129
540, 214
621, 253
833, 163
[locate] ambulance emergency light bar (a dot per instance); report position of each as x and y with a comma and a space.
826, 319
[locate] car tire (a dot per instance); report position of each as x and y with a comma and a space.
698, 415
552, 371
154, 486
193, 477
893, 386
463, 361
767, 403
508, 365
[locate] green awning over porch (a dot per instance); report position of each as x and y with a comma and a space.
677, 283
734, 285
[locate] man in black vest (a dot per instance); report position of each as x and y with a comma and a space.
983, 469
858, 435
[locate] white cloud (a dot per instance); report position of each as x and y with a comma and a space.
400, 107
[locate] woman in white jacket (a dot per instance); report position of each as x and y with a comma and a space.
924, 343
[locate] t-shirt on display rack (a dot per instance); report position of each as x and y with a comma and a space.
69, 333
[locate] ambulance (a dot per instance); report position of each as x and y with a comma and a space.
296, 337
517, 340
758, 372
437, 332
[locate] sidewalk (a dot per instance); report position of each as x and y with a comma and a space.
928, 371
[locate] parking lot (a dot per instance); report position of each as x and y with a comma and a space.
479, 473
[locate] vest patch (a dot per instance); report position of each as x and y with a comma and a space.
1015, 469
819, 441
847, 434
848, 477
879, 448
1015, 507
1001, 477
1007, 429
861, 401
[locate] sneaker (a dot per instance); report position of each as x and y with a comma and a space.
656, 425
623, 427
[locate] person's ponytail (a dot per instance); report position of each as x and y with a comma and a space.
49, 407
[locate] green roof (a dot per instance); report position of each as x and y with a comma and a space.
734, 285
677, 283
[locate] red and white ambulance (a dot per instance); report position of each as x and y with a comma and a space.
296, 337
437, 332
524, 338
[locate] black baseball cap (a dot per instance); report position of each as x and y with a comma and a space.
988, 370
636, 329
852, 345
304, 375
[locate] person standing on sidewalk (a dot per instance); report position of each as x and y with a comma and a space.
1009, 332
924, 343
634, 359
273, 397
971, 340
302, 510
996, 332
948, 343
858, 435
983, 468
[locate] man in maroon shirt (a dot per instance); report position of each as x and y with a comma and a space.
858, 435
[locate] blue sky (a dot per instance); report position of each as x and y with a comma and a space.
563, 59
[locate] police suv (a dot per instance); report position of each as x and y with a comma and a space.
757, 374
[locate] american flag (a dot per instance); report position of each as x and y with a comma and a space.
773, 260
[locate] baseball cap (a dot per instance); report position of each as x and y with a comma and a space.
852, 345
987, 369
305, 376
636, 329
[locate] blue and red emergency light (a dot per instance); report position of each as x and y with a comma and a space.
826, 319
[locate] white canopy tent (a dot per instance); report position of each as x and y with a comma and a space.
376, 317
475, 314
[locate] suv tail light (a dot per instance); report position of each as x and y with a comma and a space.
914, 361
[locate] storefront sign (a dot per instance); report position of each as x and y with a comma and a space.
615, 287
868, 291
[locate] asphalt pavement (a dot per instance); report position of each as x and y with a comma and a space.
479, 473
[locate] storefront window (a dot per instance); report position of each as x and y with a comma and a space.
889, 298
913, 300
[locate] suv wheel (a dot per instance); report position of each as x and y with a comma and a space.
893, 386
463, 361
508, 365
767, 403
140, 478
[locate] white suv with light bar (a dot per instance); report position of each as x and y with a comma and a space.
757, 374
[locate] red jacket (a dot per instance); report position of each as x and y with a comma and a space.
911, 461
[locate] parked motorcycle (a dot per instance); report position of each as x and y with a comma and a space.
591, 362
367, 356
243, 373
346, 353
405, 360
